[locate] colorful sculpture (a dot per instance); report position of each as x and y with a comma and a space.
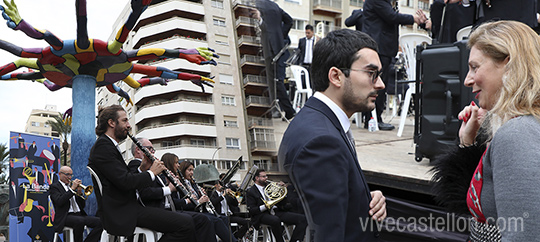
107, 62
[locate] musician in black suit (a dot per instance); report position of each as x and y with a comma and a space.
356, 19
520, 10
275, 25
227, 205
69, 207
260, 214
119, 210
159, 195
381, 22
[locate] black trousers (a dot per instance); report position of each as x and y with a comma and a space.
288, 218
243, 225
174, 226
77, 221
381, 98
204, 228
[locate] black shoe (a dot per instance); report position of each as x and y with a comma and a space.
386, 126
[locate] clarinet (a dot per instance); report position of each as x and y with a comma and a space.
209, 206
167, 173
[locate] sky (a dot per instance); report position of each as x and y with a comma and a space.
18, 98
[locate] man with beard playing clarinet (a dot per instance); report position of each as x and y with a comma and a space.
119, 210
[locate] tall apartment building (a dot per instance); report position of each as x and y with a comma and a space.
37, 121
202, 127
231, 119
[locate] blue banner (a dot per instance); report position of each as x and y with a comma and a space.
34, 163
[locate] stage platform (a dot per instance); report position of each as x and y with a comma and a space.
387, 160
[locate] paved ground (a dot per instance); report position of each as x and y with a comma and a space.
386, 158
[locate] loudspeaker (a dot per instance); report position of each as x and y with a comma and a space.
440, 96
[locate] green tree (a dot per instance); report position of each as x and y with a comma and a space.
64, 130
4, 164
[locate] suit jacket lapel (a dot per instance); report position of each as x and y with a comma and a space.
324, 109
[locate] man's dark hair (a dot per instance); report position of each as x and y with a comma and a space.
257, 173
310, 27
337, 49
110, 112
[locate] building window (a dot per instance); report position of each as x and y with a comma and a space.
167, 143
219, 22
299, 24
197, 142
230, 123
233, 143
217, 4
228, 100
222, 39
46, 134
35, 124
423, 5
46, 125
225, 79
262, 164
357, 3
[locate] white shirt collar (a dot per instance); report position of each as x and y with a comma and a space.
115, 143
340, 114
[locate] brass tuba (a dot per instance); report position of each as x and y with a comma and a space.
275, 194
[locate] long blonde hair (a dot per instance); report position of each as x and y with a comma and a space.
520, 92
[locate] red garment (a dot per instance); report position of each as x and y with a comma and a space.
475, 190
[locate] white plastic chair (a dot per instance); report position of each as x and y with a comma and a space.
408, 43
150, 235
303, 89
463, 32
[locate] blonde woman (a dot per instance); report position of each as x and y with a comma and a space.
503, 194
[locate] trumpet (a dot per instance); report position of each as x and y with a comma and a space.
275, 193
87, 191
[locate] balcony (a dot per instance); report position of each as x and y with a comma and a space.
257, 105
168, 6
186, 26
175, 129
252, 64
175, 42
259, 122
242, 20
188, 151
248, 3
172, 108
327, 7
173, 86
262, 146
249, 40
255, 85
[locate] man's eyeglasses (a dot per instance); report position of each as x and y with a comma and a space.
67, 174
373, 74
150, 148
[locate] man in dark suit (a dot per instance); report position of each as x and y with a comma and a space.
227, 205
355, 19
305, 47
260, 214
520, 10
69, 208
317, 149
381, 22
119, 210
275, 25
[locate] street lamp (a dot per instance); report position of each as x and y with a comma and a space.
218, 148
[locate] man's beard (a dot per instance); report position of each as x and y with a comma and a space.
120, 133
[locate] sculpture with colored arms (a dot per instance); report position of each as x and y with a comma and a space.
107, 62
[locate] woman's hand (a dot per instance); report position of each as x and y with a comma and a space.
472, 117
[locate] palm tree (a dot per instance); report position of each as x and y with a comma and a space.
64, 129
4, 167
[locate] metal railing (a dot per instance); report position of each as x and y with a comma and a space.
327, 3
155, 126
258, 100
258, 121
172, 101
245, 20
259, 144
254, 79
249, 39
186, 146
251, 58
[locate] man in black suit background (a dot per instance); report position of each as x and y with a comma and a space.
381, 22
305, 47
317, 149
356, 19
227, 205
69, 208
119, 210
520, 10
275, 25
260, 214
